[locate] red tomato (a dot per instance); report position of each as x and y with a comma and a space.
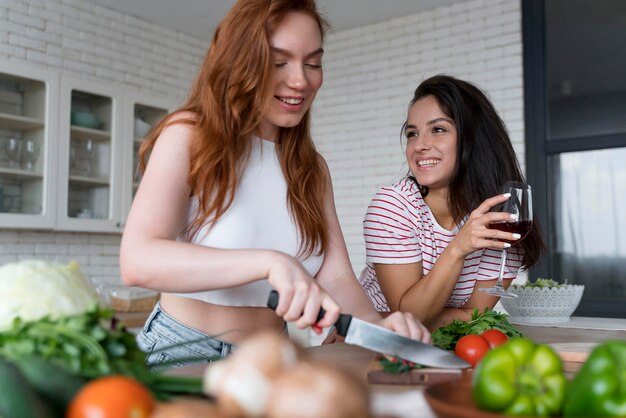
472, 348
494, 337
112, 397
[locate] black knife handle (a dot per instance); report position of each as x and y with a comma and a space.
342, 324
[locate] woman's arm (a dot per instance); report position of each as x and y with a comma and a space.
407, 290
478, 300
151, 257
336, 276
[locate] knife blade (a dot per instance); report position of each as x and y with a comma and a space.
376, 338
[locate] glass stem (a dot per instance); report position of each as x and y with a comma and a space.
502, 264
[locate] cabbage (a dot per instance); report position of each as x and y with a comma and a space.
33, 289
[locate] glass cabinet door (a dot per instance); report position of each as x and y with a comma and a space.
25, 151
89, 162
145, 118
146, 112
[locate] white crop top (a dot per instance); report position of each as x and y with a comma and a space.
257, 218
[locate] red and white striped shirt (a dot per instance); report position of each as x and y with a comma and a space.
400, 229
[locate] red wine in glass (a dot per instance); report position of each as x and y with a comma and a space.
514, 227
520, 205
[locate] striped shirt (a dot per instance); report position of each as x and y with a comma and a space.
400, 229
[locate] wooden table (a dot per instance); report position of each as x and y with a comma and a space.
407, 401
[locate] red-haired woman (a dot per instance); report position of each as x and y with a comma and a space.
236, 200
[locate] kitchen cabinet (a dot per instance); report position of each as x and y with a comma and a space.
146, 112
87, 135
28, 124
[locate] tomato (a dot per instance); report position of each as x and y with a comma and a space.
494, 337
472, 348
112, 397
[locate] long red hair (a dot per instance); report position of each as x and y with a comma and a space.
229, 98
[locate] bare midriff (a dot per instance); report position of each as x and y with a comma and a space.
227, 323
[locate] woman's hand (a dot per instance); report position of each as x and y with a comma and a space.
401, 323
300, 298
476, 234
405, 324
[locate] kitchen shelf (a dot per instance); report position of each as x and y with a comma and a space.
80, 133
19, 123
18, 174
89, 181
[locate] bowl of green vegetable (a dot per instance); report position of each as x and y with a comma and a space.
543, 301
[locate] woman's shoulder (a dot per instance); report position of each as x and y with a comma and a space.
405, 187
178, 126
403, 193
181, 119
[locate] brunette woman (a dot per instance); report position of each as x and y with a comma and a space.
236, 201
429, 248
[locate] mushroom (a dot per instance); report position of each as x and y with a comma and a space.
313, 390
242, 383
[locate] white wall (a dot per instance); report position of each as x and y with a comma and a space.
370, 75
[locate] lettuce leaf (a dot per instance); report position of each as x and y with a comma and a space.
35, 289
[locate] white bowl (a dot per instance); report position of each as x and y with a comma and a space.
543, 304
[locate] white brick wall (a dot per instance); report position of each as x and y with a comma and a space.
76, 37
92, 41
370, 75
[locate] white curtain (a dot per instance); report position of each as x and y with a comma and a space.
591, 220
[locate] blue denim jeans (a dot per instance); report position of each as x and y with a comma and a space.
166, 340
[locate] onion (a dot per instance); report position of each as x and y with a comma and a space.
242, 383
313, 390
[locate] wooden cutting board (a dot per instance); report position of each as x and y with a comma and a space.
573, 356
424, 376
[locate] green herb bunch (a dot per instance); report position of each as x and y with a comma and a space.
447, 336
90, 345
397, 366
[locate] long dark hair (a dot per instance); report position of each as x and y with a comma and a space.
485, 155
229, 98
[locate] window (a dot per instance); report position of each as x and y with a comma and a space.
575, 101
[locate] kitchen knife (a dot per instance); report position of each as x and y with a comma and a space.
376, 338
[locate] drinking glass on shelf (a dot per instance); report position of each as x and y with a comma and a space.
87, 155
13, 149
89, 149
520, 204
30, 154
82, 167
82, 153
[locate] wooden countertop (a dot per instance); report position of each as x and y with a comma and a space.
407, 401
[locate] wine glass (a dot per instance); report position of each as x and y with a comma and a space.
30, 154
520, 204
89, 149
13, 148
88, 152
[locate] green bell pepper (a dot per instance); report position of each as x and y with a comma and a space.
599, 388
520, 378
